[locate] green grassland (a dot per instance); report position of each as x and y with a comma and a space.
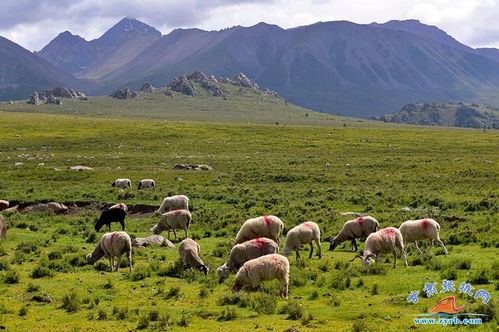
394, 173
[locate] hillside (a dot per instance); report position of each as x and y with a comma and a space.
22, 72
445, 114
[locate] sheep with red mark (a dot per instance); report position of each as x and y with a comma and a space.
243, 252
119, 206
177, 202
386, 240
173, 220
189, 254
266, 226
421, 229
147, 184
113, 246
358, 228
122, 183
268, 267
305, 233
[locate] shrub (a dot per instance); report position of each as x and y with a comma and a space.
293, 310
4, 265
101, 266
307, 319
203, 293
359, 326
11, 277
450, 273
54, 255
120, 313
163, 321
143, 322
227, 314
183, 319
241, 300
139, 274
23, 311
77, 261
339, 280
374, 269
314, 295
174, 270
71, 302
374, 289
101, 314
486, 309
264, 304
480, 276
174, 292
41, 271
32, 288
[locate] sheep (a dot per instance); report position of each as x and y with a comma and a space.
421, 229
307, 232
241, 253
3, 204
268, 267
122, 206
147, 183
3, 227
384, 241
355, 229
178, 219
122, 183
189, 254
177, 202
267, 226
112, 245
109, 216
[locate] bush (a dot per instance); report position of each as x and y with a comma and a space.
174, 270
120, 313
449, 273
183, 320
359, 326
11, 277
264, 304
71, 302
480, 276
293, 310
174, 292
163, 322
23, 311
77, 261
4, 265
32, 288
101, 266
227, 315
374, 289
54, 255
139, 274
41, 271
486, 309
340, 280
203, 293
143, 322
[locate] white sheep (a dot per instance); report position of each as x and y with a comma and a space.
122, 183
189, 254
243, 252
307, 232
358, 228
112, 245
421, 229
268, 267
384, 241
177, 202
122, 206
178, 219
147, 183
267, 226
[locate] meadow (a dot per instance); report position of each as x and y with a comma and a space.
393, 173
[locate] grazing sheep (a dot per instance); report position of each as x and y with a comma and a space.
109, 216
386, 240
122, 183
119, 206
146, 183
3, 204
3, 227
241, 253
421, 229
151, 240
177, 202
267, 226
358, 228
263, 268
307, 232
112, 245
178, 219
189, 254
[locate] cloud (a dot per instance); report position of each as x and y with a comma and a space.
33, 23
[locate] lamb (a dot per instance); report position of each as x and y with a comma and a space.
307, 232
112, 245
3, 204
3, 227
421, 229
267, 226
177, 202
241, 253
147, 183
268, 267
358, 228
122, 183
189, 254
384, 241
119, 206
178, 219
109, 216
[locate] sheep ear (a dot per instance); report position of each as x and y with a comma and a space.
356, 256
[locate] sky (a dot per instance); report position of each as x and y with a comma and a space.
33, 23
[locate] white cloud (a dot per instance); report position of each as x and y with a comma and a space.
33, 23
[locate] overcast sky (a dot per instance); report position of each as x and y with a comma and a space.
33, 23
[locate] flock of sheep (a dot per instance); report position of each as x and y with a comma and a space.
255, 253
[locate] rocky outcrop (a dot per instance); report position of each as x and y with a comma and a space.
147, 87
124, 93
190, 167
34, 99
244, 81
209, 83
54, 96
182, 85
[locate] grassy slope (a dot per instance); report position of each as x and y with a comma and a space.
259, 169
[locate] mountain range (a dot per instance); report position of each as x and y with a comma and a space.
352, 69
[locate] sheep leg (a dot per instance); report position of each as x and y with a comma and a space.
284, 289
175, 233
298, 254
311, 250
130, 260
186, 234
111, 263
429, 247
417, 247
394, 258
118, 263
404, 254
318, 242
122, 225
168, 234
443, 247
109, 226
354, 245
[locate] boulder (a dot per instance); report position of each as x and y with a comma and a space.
182, 85
3, 204
244, 81
147, 87
51, 99
81, 168
124, 93
34, 99
40, 207
152, 240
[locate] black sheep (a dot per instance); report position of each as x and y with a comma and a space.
109, 216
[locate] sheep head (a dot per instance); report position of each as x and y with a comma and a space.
222, 272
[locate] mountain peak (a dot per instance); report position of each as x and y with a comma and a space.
131, 26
